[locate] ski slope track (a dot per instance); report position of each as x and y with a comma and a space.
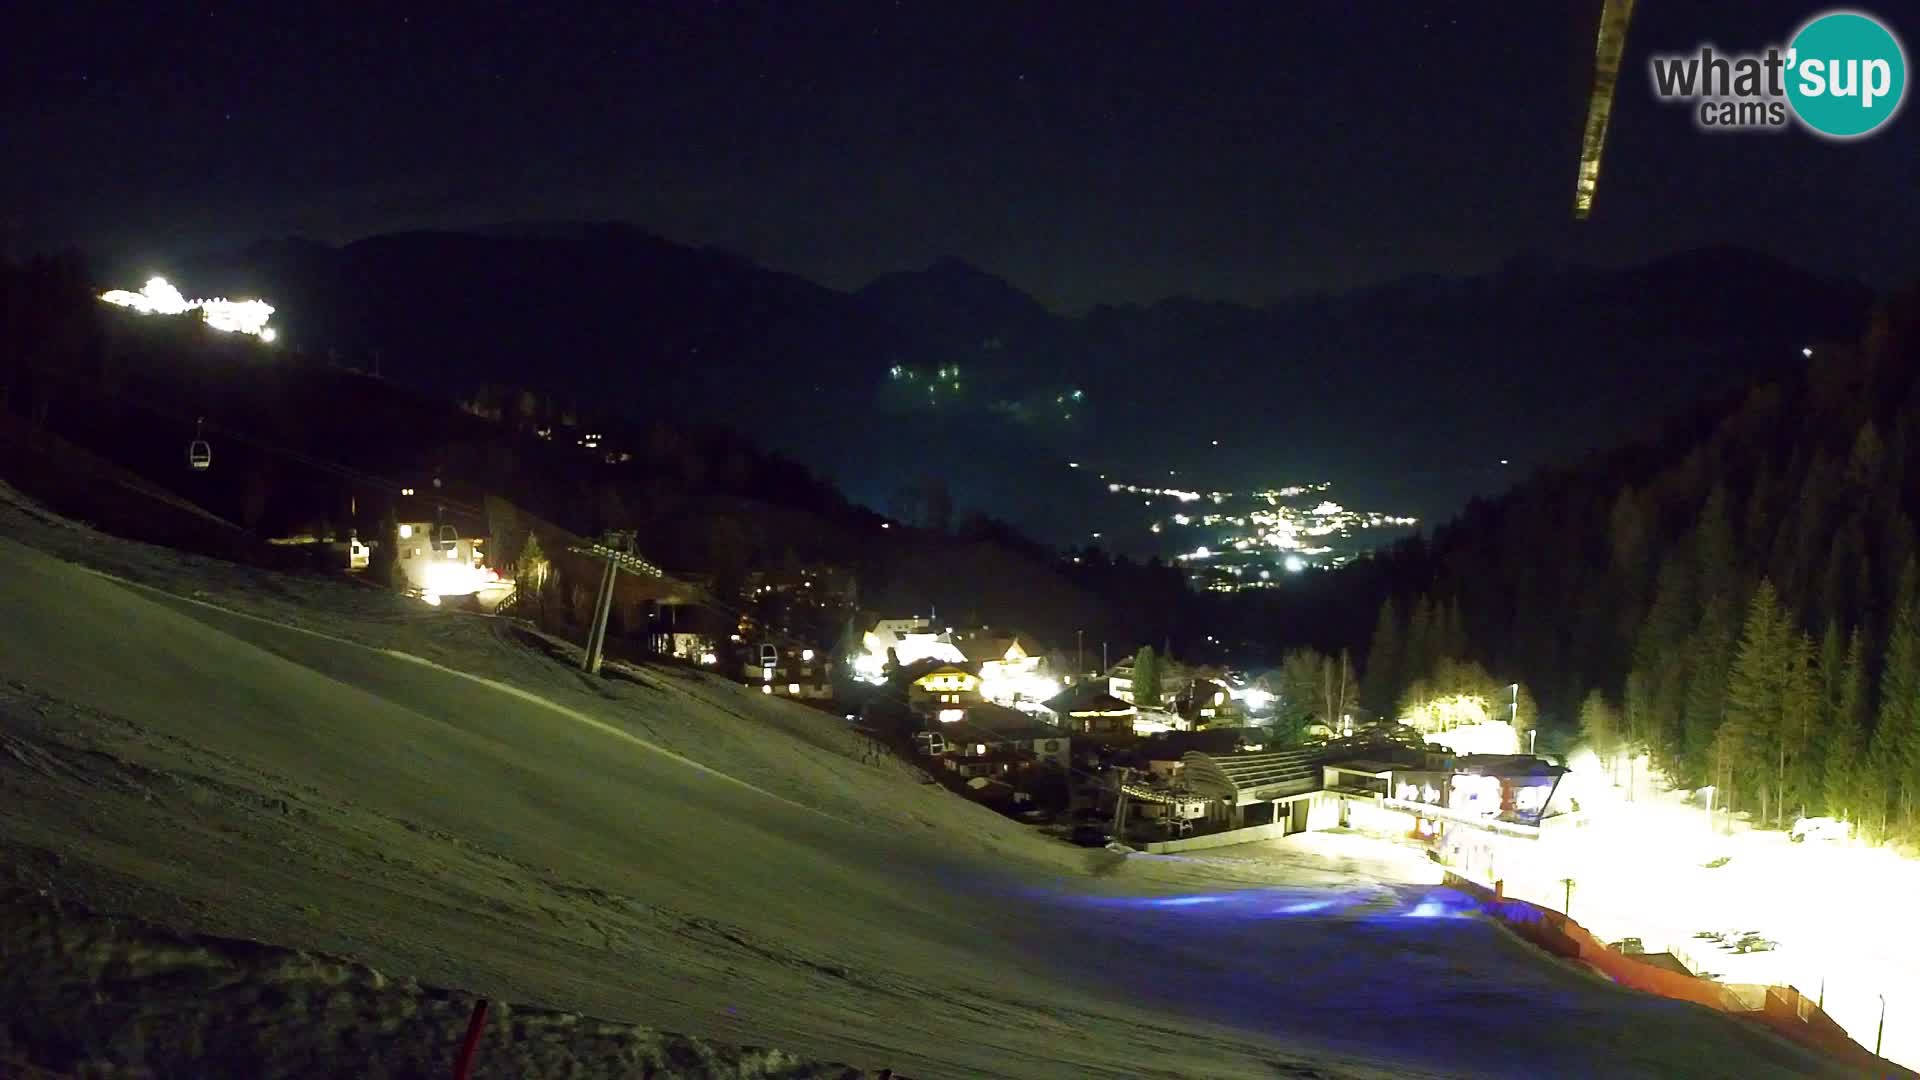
324, 768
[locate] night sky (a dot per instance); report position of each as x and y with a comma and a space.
1088, 153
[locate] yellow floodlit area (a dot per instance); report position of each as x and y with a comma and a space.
1447, 712
1492, 737
454, 578
1464, 724
159, 297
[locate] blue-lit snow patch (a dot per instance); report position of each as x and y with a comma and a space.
1442, 904
1247, 904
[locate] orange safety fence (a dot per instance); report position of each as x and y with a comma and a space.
1780, 1008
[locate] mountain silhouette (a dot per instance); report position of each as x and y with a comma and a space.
1410, 391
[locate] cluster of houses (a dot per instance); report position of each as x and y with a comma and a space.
999, 709
1006, 716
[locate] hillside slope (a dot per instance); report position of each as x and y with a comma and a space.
315, 766
1408, 392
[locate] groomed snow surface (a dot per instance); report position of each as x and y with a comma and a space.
1839, 914
431, 807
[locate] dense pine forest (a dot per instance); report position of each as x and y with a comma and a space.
1737, 599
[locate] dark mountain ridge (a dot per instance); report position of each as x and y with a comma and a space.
1407, 393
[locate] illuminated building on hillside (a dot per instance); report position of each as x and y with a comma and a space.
905, 642
786, 669
436, 561
159, 297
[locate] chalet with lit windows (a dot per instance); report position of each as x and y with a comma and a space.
936, 687
1013, 667
992, 740
1088, 709
1000, 655
788, 669
440, 555
887, 646
1209, 703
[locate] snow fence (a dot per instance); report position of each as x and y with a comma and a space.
1781, 1008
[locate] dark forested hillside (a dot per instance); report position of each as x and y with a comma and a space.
305, 445
1406, 395
1738, 597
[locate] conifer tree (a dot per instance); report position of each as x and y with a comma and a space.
1709, 655
1601, 726
1845, 763
1896, 737
1146, 678
1756, 693
1452, 631
1380, 686
1423, 653
1801, 716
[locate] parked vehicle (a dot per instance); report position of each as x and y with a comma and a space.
1820, 828
1090, 836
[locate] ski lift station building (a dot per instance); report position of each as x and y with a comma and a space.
437, 559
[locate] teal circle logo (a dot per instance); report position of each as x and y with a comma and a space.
1846, 74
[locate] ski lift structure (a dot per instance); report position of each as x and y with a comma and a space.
1615, 15
199, 454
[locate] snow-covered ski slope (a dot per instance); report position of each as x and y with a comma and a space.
261, 761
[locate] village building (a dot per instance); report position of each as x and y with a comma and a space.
942, 689
437, 555
899, 642
788, 669
1210, 703
1280, 787
989, 739
1088, 709
1013, 667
